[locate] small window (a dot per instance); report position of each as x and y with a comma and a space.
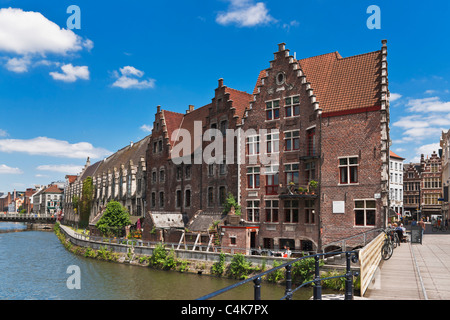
348, 170
233, 240
273, 110
280, 78
365, 212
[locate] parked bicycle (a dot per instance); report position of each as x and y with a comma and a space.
437, 228
387, 248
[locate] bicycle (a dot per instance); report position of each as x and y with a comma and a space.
388, 246
437, 228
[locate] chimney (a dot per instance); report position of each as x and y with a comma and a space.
191, 108
220, 82
158, 109
281, 46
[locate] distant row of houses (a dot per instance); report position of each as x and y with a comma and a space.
39, 200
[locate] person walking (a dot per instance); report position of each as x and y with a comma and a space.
422, 225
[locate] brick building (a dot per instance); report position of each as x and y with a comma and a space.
431, 185
331, 115
412, 179
322, 119
181, 182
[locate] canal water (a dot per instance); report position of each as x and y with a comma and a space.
34, 266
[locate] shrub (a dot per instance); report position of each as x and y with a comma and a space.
277, 275
240, 267
219, 267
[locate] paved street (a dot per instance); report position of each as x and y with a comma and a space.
415, 271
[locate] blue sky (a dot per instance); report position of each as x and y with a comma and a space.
68, 94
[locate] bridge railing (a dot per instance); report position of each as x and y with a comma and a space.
351, 256
9, 215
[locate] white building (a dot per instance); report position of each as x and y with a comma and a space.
396, 182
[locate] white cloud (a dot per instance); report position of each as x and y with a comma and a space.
433, 104
128, 79
52, 147
4, 169
71, 73
28, 32
245, 13
394, 96
146, 128
18, 65
63, 168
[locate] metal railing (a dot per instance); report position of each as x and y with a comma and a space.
31, 216
351, 256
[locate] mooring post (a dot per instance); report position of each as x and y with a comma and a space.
317, 282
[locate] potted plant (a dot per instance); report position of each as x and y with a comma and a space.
301, 190
313, 186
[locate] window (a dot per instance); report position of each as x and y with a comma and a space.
253, 210
273, 110
222, 195
160, 146
291, 140
309, 212
154, 176
291, 171
210, 197
271, 210
291, 208
253, 177
139, 185
348, 170
365, 212
224, 127
233, 240
179, 172
187, 172
155, 147
272, 179
273, 143
187, 198
161, 199
311, 142
153, 201
222, 167
178, 199
211, 170
310, 171
252, 145
292, 106
161, 175
129, 185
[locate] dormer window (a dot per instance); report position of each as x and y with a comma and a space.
280, 78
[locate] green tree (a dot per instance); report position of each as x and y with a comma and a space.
115, 218
231, 202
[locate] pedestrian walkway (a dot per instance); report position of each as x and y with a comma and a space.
415, 271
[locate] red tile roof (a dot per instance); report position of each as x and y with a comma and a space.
342, 84
393, 155
53, 189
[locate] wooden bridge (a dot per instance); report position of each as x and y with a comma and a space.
29, 218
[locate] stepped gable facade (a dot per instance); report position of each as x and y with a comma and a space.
332, 116
182, 181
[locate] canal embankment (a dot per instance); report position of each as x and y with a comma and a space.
132, 252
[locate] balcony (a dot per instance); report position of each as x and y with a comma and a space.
295, 191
